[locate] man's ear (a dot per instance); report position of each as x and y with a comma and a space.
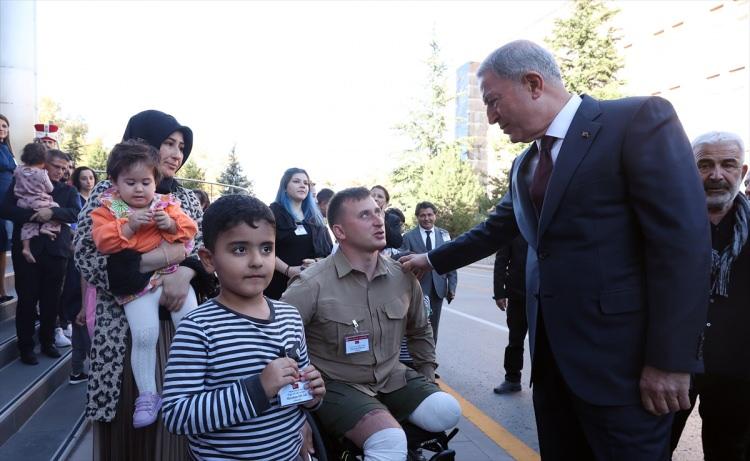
207, 258
744, 172
338, 232
534, 82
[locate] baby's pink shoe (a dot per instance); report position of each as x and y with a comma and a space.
147, 407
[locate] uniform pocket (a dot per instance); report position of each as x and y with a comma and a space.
392, 323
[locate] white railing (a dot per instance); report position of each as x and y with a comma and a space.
212, 193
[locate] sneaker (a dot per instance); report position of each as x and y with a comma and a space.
78, 378
507, 387
147, 407
68, 331
60, 339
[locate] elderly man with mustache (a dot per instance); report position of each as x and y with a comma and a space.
724, 387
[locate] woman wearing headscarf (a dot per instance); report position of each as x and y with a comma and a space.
111, 388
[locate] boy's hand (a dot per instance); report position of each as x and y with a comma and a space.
139, 218
164, 222
315, 384
277, 374
81, 317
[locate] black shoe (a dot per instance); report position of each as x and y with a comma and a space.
507, 387
79, 378
51, 351
5, 298
29, 358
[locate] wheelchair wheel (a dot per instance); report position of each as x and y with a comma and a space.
318, 442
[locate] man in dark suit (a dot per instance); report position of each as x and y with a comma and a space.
425, 237
510, 296
609, 200
42, 282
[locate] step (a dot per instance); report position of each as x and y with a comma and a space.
25, 388
84, 447
53, 431
8, 309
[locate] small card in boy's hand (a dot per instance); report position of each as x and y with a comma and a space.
295, 393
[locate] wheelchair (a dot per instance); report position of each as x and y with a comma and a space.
420, 444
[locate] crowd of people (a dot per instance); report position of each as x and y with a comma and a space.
621, 248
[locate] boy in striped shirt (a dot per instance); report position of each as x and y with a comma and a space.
232, 355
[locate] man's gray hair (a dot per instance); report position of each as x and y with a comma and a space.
57, 154
717, 137
515, 59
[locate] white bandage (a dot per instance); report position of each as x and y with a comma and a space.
437, 413
386, 445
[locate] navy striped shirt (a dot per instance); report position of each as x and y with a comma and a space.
212, 390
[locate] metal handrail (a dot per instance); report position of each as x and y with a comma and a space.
211, 184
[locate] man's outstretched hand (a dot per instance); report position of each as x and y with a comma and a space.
418, 264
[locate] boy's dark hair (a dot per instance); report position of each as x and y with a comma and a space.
324, 195
34, 154
334, 206
127, 154
423, 205
231, 210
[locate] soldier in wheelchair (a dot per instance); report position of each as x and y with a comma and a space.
357, 306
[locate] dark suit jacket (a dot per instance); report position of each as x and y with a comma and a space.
64, 195
619, 259
510, 270
442, 283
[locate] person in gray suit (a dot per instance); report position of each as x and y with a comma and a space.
424, 238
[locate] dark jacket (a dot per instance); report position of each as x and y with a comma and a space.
726, 351
510, 270
64, 195
619, 258
292, 249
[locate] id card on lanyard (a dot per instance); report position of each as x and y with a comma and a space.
357, 342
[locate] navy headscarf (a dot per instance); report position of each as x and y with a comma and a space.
154, 127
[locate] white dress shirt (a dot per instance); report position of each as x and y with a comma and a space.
558, 128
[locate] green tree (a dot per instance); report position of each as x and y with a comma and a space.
72, 130
233, 175
497, 186
426, 125
191, 170
432, 168
585, 45
94, 156
452, 185
75, 132
49, 110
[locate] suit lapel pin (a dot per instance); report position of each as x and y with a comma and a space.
585, 134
